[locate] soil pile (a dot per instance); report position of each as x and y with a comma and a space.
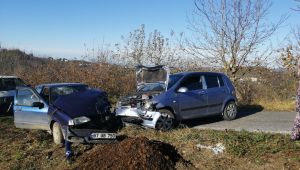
131, 153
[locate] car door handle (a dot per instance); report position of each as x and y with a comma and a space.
202, 92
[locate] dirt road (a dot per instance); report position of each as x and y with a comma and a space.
274, 122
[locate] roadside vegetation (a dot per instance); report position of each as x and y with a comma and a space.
33, 149
272, 89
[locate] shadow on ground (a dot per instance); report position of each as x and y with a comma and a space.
243, 111
6, 115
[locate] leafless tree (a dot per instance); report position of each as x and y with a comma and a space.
154, 49
297, 7
134, 44
230, 33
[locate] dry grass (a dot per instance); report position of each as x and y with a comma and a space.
31, 149
275, 106
287, 105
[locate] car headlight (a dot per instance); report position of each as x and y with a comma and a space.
78, 120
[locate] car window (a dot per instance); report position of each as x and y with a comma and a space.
45, 94
19, 82
1, 85
212, 81
26, 97
39, 89
193, 82
9, 84
221, 82
173, 79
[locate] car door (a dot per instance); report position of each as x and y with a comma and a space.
193, 102
30, 111
216, 93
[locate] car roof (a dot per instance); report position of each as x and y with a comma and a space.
61, 84
2, 76
205, 73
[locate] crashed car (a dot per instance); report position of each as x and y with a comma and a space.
162, 100
69, 111
7, 92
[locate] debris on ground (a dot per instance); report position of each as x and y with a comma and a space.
219, 148
131, 153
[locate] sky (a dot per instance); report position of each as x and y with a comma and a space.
64, 28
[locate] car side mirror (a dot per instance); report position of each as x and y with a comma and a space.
182, 90
40, 105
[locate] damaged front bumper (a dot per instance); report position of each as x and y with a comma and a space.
89, 135
138, 116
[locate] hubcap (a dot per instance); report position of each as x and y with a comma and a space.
164, 122
231, 110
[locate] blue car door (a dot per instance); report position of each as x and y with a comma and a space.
216, 93
193, 103
30, 111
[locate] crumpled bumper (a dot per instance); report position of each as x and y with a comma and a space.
84, 136
137, 116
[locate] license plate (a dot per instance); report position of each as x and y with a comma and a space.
103, 136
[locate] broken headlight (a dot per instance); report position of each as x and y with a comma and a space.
78, 120
149, 105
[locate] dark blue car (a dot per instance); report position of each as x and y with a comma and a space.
161, 99
69, 111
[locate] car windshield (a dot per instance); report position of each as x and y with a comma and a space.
152, 87
65, 90
173, 79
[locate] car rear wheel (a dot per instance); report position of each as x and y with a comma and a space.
57, 134
230, 111
166, 121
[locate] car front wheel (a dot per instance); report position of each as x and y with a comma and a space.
230, 111
57, 134
166, 120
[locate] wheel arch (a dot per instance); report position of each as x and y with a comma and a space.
228, 101
160, 107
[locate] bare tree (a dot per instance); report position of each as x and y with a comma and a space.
154, 49
230, 33
133, 49
297, 7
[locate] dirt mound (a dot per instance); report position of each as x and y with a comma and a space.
131, 153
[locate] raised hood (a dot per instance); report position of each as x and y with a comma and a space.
152, 75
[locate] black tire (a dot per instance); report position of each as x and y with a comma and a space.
57, 134
166, 121
230, 111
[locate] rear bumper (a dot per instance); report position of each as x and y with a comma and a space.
84, 136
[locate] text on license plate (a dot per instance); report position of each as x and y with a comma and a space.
103, 136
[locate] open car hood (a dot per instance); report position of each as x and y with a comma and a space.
84, 103
152, 75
